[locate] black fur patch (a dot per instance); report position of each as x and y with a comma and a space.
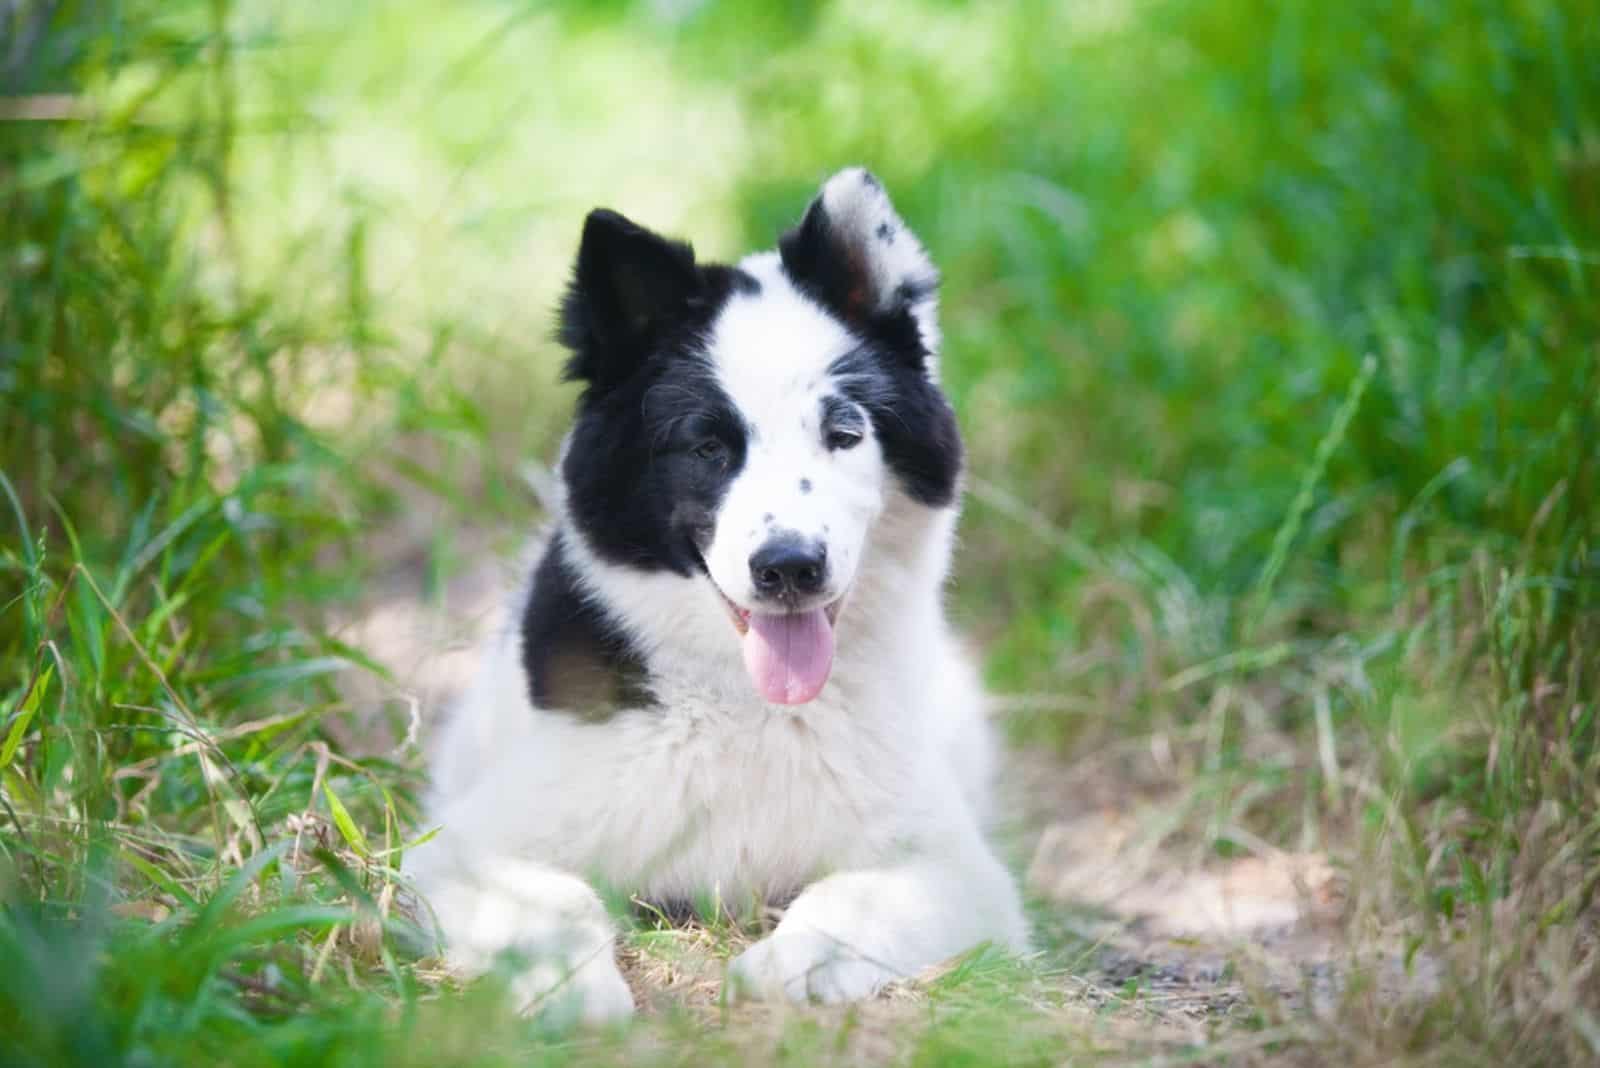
576, 658
887, 375
640, 485
635, 294
831, 267
637, 485
913, 422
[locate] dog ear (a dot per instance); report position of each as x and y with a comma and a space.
629, 287
852, 253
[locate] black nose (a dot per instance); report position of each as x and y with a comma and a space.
786, 566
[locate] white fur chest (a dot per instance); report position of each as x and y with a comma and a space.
696, 796
745, 801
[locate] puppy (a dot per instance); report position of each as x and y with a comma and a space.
730, 676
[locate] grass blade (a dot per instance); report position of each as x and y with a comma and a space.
347, 826
19, 725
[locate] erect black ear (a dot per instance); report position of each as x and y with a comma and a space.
628, 288
855, 256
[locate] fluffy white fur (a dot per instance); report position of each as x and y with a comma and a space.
872, 797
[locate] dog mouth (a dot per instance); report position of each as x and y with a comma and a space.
788, 654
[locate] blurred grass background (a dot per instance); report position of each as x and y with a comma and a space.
1272, 328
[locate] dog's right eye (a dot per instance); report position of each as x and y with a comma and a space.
711, 450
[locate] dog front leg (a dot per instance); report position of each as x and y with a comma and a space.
849, 934
548, 926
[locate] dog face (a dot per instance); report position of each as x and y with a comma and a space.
746, 426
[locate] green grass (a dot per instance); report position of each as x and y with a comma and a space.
1272, 327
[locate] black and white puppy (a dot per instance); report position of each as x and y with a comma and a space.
732, 676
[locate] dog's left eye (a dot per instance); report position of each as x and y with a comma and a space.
711, 450
843, 438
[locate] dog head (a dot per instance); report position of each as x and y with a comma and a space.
746, 426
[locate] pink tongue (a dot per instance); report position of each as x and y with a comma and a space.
789, 656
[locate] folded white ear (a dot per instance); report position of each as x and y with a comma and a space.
853, 253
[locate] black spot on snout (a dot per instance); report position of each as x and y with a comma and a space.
805, 485
767, 519
886, 233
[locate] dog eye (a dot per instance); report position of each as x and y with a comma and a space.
711, 450
843, 438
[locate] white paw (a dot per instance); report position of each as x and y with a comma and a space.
803, 966
592, 995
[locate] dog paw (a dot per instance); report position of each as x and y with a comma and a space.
592, 995
805, 967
